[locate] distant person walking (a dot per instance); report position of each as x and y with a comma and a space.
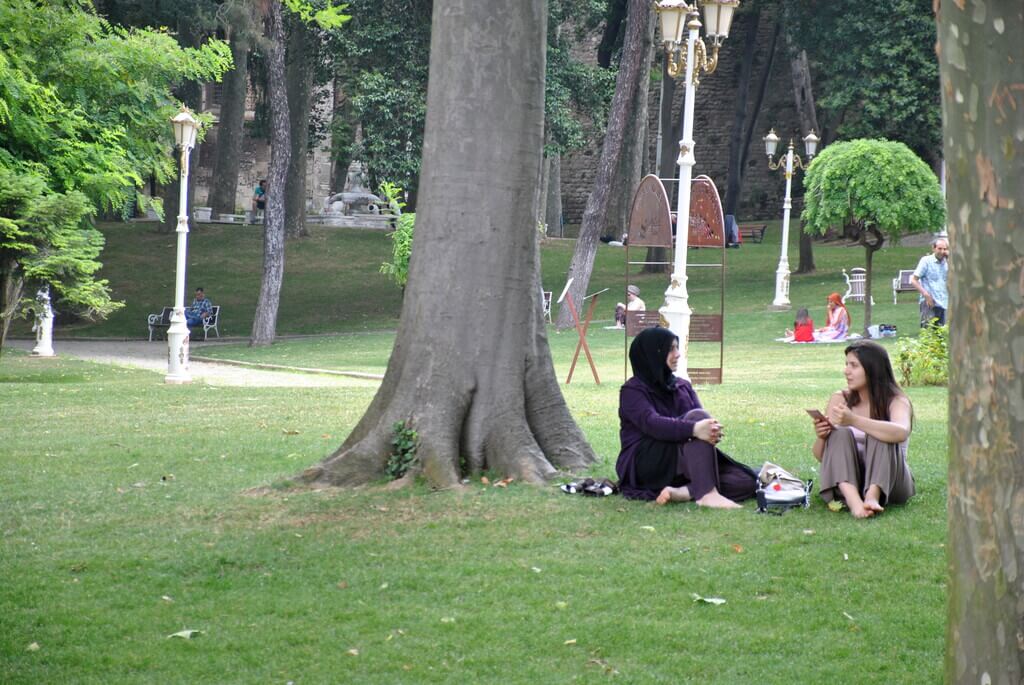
259, 197
930, 279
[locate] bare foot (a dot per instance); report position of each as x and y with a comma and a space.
861, 511
715, 500
673, 495
873, 505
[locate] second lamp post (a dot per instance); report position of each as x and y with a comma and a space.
771, 142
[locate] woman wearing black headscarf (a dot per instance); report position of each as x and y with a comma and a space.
668, 440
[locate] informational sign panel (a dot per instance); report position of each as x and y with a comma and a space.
641, 321
650, 219
707, 224
706, 328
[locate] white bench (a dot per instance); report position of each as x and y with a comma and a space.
902, 284
159, 323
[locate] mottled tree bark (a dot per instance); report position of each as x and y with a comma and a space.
476, 381
634, 49
224, 184
553, 203
671, 132
302, 51
264, 325
982, 78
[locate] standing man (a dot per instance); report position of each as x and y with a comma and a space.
930, 281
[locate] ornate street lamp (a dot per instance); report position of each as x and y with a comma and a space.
688, 59
185, 129
771, 143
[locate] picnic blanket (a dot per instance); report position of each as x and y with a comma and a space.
852, 336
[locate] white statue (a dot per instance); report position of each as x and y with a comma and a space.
43, 326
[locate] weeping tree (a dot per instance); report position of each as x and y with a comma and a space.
873, 189
982, 67
475, 381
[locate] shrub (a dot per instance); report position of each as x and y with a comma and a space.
404, 442
924, 360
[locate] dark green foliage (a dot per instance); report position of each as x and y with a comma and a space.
403, 449
924, 360
875, 69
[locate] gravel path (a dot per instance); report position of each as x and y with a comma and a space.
152, 356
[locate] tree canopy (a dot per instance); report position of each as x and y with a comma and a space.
84, 123
873, 189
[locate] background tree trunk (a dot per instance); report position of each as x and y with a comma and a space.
476, 381
553, 204
264, 325
300, 58
634, 56
191, 94
808, 113
982, 75
671, 132
224, 184
634, 145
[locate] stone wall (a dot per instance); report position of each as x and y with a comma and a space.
714, 114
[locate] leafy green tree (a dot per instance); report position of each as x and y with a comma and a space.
84, 117
873, 189
884, 82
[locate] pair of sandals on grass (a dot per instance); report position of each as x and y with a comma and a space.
590, 487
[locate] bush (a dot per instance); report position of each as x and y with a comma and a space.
404, 442
924, 360
401, 249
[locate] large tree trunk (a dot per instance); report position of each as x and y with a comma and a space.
224, 184
982, 70
264, 325
808, 114
553, 203
302, 50
734, 177
476, 381
634, 56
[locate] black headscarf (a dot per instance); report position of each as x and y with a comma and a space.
649, 357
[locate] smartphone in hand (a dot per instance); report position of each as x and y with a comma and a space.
815, 414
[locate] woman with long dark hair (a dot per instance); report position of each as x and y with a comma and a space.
668, 440
862, 438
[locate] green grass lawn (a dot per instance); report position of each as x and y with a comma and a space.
133, 510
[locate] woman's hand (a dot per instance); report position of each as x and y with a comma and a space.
822, 427
839, 414
708, 430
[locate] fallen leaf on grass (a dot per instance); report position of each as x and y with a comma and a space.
648, 528
808, 531
140, 484
485, 480
707, 600
561, 605
166, 598
133, 465
383, 586
289, 431
34, 647
535, 569
186, 634
342, 585
353, 652
447, 619
846, 557
835, 506
503, 483
849, 617
570, 642
738, 549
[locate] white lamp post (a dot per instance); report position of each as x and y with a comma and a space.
771, 142
676, 15
185, 129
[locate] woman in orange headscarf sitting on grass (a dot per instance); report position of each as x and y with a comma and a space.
837, 322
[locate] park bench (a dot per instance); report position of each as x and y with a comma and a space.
159, 323
902, 284
753, 232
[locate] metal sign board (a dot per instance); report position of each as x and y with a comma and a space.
707, 224
711, 376
636, 322
650, 219
705, 328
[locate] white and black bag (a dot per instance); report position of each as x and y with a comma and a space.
778, 490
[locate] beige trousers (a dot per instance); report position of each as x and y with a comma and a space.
884, 464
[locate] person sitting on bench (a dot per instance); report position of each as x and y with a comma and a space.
633, 304
200, 310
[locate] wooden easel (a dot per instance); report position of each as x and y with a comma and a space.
581, 329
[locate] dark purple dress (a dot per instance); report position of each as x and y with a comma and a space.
659, 450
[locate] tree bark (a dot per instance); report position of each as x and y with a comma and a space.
264, 325
630, 169
476, 381
808, 114
734, 176
224, 184
553, 205
11, 289
981, 59
666, 159
302, 50
634, 56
